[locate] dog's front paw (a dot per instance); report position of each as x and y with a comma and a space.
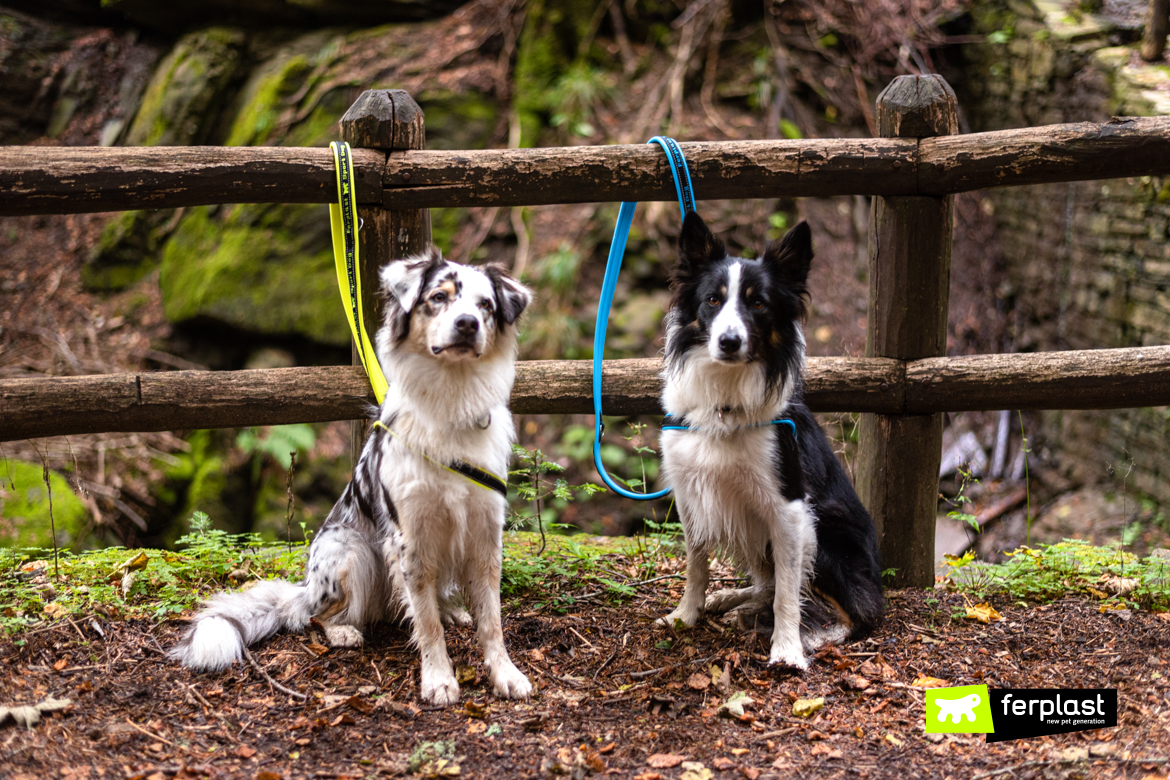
439, 688
788, 656
343, 636
687, 618
510, 683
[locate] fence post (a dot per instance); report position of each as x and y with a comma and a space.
909, 273
1156, 28
390, 120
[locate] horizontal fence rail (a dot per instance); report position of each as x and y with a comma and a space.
55, 180
172, 400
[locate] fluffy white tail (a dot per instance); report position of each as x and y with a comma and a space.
229, 622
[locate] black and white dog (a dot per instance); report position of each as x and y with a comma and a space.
773, 498
411, 530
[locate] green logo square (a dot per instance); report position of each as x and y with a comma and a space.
962, 710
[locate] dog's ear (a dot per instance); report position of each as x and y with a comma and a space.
790, 257
402, 280
511, 296
697, 246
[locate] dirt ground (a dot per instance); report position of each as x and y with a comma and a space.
615, 696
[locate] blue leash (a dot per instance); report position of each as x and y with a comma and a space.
613, 267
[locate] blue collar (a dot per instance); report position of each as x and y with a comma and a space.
671, 423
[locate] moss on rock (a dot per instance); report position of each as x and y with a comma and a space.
24, 508
265, 269
179, 105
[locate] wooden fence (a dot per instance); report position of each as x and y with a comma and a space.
902, 385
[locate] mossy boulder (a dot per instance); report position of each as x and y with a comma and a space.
24, 508
180, 104
268, 269
263, 269
179, 108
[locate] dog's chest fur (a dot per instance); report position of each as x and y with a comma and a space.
727, 485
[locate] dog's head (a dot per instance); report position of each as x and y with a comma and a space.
740, 310
449, 311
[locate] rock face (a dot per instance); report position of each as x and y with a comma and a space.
1089, 262
264, 270
24, 508
175, 18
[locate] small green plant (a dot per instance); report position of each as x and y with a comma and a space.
961, 499
431, 753
135, 583
536, 487
1027, 478
1051, 571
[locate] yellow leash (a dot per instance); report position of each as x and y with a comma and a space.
482, 477
343, 219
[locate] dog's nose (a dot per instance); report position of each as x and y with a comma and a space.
729, 343
466, 324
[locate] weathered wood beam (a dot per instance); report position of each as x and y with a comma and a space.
1125, 146
55, 180
84, 179
639, 172
1083, 379
184, 400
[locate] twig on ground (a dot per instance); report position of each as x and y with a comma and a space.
155, 736
273, 683
608, 661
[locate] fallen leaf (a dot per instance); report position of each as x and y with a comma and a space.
30, 716
924, 681
607, 748
361, 704
750, 772
536, 655
55, 610
440, 767
475, 709
722, 763
856, 682
894, 740
342, 719
740, 751
735, 704
693, 770
699, 681
870, 669
649, 776
243, 751
802, 708
984, 613
664, 760
60, 665
476, 727
266, 775
317, 649
135, 563
1098, 593
465, 674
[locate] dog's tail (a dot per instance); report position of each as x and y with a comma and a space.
229, 622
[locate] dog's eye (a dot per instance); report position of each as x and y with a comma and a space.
757, 304
439, 297
486, 305
713, 301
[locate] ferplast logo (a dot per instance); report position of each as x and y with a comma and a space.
962, 710
1018, 713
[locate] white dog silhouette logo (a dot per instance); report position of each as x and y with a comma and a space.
958, 709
